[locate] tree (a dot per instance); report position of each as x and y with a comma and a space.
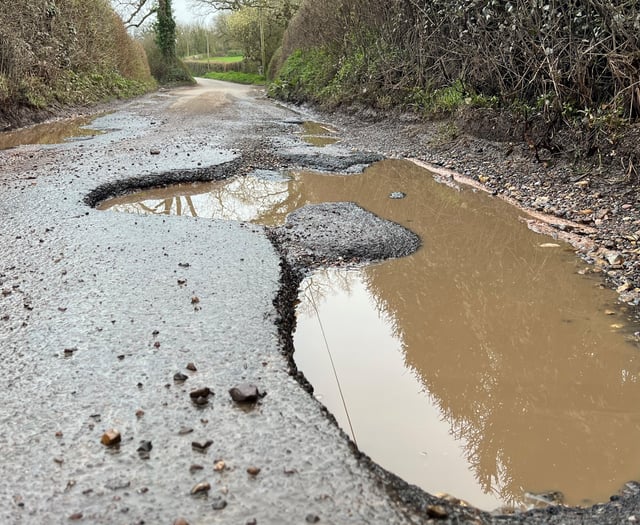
165, 29
161, 50
134, 13
258, 23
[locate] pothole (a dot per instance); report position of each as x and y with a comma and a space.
318, 134
484, 366
50, 133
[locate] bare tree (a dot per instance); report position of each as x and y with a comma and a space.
135, 13
230, 5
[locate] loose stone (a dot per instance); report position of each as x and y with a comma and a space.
200, 396
200, 488
192, 367
219, 503
144, 449
201, 447
111, 438
253, 471
437, 512
244, 393
179, 377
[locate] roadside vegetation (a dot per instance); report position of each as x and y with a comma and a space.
253, 29
237, 77
554, 65
55, 54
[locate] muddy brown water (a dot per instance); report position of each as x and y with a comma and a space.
49, 133
486, 365
318, 134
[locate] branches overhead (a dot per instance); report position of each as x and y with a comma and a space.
231, 5
134, 13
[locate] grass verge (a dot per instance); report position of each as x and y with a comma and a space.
237, 77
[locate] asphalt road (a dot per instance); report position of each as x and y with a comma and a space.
95, 325
100, 310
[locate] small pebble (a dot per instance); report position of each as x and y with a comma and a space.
201, 447
244, 393
200, 488
111, 438
192, 367
219, 503
180, 377
437, 512
253, 471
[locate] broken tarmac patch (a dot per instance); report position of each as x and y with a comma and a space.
340, 232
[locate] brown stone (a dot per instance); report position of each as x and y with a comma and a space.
111, 438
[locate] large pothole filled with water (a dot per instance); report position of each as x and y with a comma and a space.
487, 365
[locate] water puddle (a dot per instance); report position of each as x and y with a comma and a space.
483, 366
318, 134
50, 133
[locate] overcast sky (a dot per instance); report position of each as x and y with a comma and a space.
185, 13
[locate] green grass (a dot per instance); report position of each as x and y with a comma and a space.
238, 78
216, 60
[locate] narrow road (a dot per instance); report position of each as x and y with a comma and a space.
99, 311
95, 324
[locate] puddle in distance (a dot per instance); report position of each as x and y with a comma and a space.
318, 134
483, 366
49, 133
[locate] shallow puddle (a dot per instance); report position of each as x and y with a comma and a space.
49, 133
483, 366
318, 134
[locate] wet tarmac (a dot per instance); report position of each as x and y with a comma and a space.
101, 312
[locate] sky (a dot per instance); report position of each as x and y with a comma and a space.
185, 13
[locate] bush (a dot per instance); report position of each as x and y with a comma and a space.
67, 52
577, 55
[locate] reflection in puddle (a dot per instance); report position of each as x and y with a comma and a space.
318, 134
263, 198
49, 133
483, 366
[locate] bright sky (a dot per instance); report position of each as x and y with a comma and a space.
185, 13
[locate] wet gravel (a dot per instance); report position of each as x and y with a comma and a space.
339, 233
119, 325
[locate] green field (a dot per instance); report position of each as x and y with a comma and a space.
215, 60
238, 78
